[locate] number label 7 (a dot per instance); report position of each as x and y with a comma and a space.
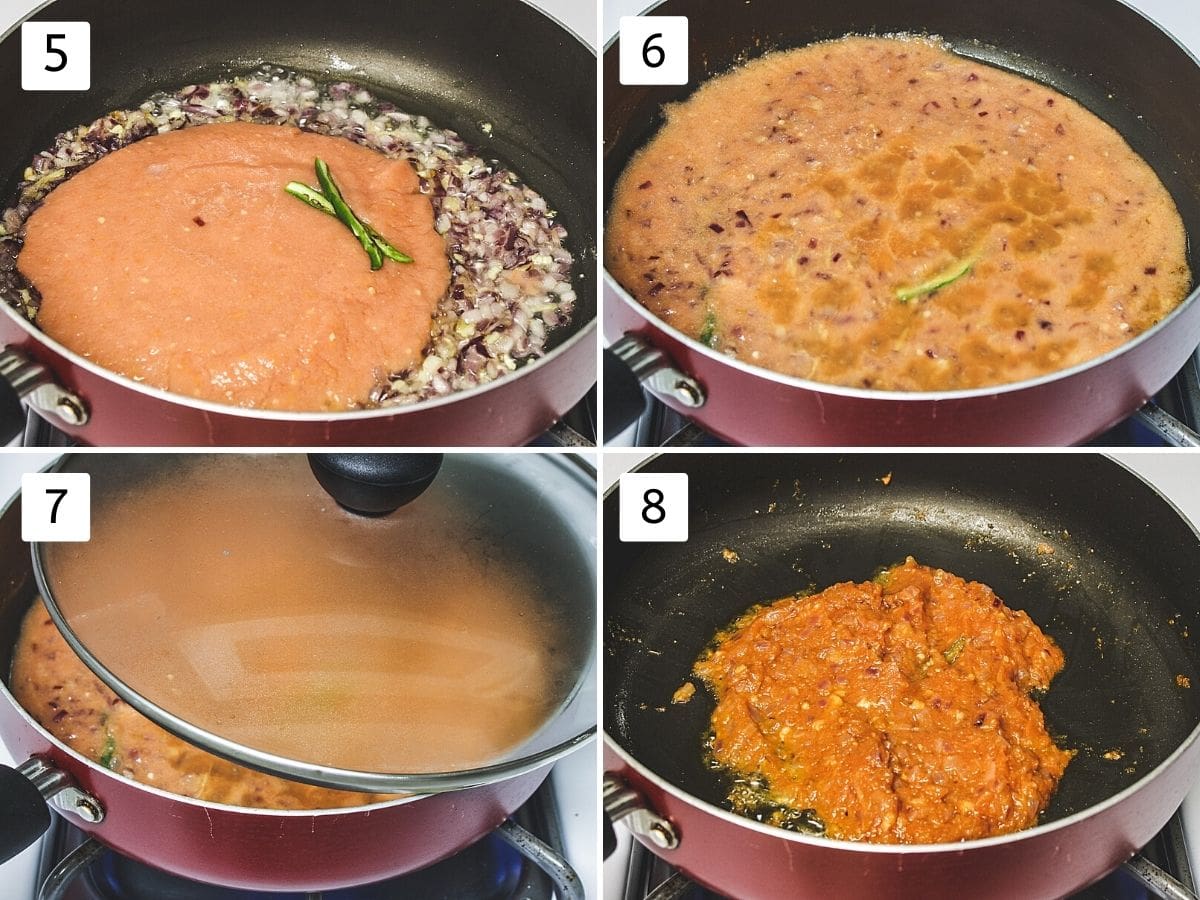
56, 506
60, 493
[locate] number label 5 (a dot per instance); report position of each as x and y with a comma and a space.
56, 506
56, 56
654, 507
654, 50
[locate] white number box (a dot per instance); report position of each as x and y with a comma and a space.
654, 50
56, 506
654, 507
56, 56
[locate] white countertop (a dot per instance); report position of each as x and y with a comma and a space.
578, 15
1177, 16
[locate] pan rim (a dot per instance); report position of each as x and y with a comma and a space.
1046, 828
820, 387
41, 339
563, 25
695, 345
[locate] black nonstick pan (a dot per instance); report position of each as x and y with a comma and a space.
509, 79
1097, 558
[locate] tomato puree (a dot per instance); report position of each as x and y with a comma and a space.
894, 711
881, 213
180, 262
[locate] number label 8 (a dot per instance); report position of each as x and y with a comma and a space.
653, 507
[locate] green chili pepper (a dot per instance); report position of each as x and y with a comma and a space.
708, 331
319, 201
108, 754
385, 248
937, 282
954, 651
313, 198
330, 189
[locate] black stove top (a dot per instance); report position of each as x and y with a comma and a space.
490, 869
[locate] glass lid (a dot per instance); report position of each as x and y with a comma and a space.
230, 599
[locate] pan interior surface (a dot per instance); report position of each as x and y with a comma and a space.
1105, 55
1080, 544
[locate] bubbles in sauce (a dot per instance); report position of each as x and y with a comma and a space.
237, 595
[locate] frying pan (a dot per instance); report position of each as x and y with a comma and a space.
1117, 593
512, 67
293, 850
1103, 53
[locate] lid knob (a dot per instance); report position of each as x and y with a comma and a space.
375, 484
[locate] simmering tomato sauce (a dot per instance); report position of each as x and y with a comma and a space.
70, 702
882, 213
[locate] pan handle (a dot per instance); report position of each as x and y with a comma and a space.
623, 804
1160, 883
24, 380
633, 363
24, 815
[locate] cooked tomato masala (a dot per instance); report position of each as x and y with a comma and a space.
882, 213
893, 711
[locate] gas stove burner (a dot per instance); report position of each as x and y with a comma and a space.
521, 860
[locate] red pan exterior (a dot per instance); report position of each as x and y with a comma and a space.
261, 850
741, 862
511, 411
757, 409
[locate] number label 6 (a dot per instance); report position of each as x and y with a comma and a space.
649, 48
654, 50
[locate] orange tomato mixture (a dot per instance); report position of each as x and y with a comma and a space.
893, 711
